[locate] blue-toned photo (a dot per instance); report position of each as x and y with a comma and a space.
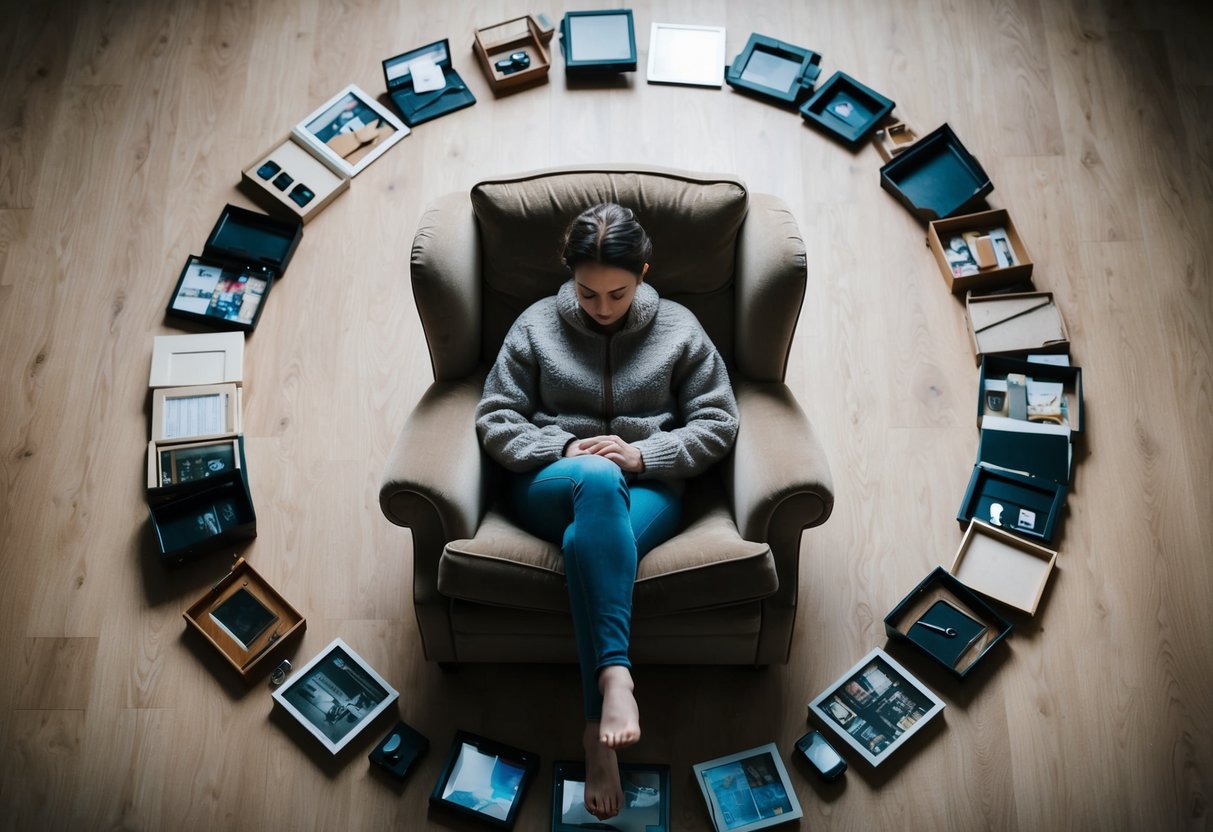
483, 782
748, 790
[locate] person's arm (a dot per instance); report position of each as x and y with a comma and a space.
503, 417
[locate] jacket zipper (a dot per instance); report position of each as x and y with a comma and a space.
608, 389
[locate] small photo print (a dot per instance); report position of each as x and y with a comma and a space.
484, 783
215, 292
749, 790
960, 258
351, 130
1004, 252
196, 462
243, 617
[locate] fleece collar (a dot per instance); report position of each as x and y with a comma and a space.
640, 314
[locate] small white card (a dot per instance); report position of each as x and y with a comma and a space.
427, 75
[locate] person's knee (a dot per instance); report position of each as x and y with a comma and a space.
597, 469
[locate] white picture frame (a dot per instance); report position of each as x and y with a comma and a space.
860, 705
686, 54
347, 113
737, 806
317, 699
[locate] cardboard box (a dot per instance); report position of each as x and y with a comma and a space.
497, 42
1004, 567
992, 381
189, 360
233, 616
288, 179
1016, 324
846, 109
894, 136
937, 177
1028, 506
939, 586
952, 242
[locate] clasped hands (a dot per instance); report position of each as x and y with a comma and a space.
627, 457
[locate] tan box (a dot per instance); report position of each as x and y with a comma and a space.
252, 658
188, 360
292, 158
1016, 324
1002, 566
195, 414
973, 232
495, 42
894, 136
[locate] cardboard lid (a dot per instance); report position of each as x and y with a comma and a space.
188, 360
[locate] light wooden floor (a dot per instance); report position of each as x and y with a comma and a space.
123, 129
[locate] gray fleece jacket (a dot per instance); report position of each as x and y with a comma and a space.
658, 383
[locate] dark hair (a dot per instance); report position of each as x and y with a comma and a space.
608, 234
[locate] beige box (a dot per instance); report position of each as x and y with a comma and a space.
1016, 324
290, 157
1003, 566
188, 360
893, 137
495, 42
990, 275
195, 414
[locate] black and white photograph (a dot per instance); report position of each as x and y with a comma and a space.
484, 779
748, 790
876, 706
645, 807
336, 695
351, 130
243, 617
1004, 252
196, 462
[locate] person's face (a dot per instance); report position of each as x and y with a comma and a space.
606, 292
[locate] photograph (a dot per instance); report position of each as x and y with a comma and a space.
199, 520
212, 291
192, 463
351, 130
876, 706
243, 617
1004, 252
484, 779
645, 806
960, 259
748, 790
336, 695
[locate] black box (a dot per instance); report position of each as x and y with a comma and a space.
1028, 506
415, 107
846, 109
937, 177
609, 36
940, 586
397, 751
227, 285
189, 522
1025, 448
996, 367
773, 70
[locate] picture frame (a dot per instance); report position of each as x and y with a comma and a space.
687, 55
646, 799
220, 294
876, 706
598, 41
195, 413
748, 790
195, 462
336, 695
484, 779
350, 130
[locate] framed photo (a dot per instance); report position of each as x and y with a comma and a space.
336, 695
195, 413
484, 779
219, 294
748, 790
351, 130
197, 461
876, 706
646, 799
691, 55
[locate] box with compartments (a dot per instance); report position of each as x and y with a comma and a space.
980, 252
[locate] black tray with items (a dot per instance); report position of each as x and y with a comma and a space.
846, 109
598, 42
1051, 394
1028, 506
424, 85
227, 285
485, 780
937, 177
193, 522
947, 621
774, 71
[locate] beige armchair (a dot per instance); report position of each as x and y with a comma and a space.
722, 591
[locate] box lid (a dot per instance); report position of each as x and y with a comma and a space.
186, 360
1004, 567
254, 238
781, 71
1019, 323
937, 177
598, 41
396, 72
1026, 448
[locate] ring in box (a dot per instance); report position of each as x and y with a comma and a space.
1028, 506
1016, 324
943, 601
979, 252
937, 177
846, 108
316, 180
418, 95
497, 43
226, 286
596, 42
774, 70
245, 619
1003, 566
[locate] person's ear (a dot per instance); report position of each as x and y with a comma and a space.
643, 272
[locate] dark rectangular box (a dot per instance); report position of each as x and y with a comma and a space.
190, 522
937, 177
416, 107
775, 71
1028, 506
846, 109
597, 42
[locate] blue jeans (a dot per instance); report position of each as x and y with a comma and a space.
604, 525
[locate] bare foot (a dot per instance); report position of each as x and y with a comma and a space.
603, 791
620, 713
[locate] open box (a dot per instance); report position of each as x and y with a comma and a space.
937, 177
245, 619
1016, 324
197, 521
290, 179
498, 42
846, 108
979, 252
1052, 392
227, 285
1027, 506
1026, 448
1004, 567
421, 99
774, 71
941, 596
894, 136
